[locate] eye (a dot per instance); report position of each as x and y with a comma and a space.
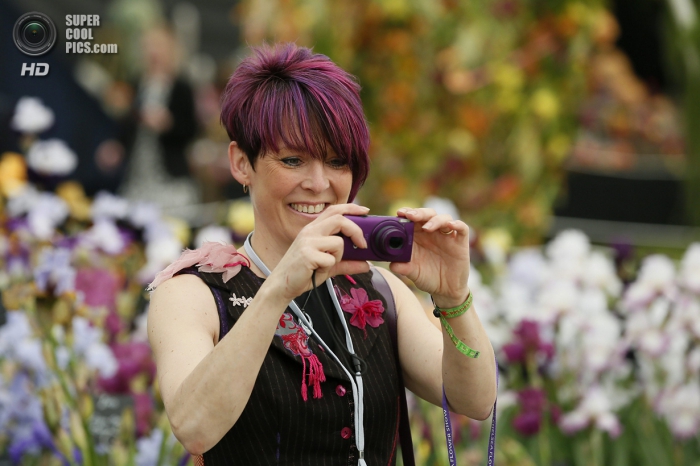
291, 161
337, 163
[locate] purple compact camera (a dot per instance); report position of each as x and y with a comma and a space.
389, 239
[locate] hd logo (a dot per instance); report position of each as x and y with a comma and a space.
35, 69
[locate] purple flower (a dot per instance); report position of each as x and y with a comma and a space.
527, 423
148, 449
133, 359
54, 273
527, 340
99, 287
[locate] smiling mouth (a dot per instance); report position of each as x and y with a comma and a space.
308, 208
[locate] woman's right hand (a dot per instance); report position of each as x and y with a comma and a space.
318, 247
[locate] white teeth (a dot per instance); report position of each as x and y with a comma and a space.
309, 209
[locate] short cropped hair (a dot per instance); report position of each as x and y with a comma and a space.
286, 93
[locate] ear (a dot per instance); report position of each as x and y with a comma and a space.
239, 164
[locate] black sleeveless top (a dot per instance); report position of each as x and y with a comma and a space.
277, 426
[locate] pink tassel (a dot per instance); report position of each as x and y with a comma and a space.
316, 376
304, 389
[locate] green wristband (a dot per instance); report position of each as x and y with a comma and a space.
456, 311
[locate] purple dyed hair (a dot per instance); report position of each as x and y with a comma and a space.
286, 86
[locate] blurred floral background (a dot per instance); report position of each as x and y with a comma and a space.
564, 132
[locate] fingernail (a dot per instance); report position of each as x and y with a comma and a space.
402, 209
428, 225
411, 212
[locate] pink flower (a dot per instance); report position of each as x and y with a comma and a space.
211, 258
363, 311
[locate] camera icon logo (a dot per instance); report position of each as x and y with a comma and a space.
34, 34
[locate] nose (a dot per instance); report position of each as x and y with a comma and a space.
316, 178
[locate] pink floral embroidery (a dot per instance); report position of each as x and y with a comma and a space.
297, 341
363, 311
210, 257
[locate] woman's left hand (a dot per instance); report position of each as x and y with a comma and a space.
440, 261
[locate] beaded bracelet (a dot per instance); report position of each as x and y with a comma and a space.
444, 314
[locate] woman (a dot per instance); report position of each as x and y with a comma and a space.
299, 144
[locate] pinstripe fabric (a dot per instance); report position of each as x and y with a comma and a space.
278, 427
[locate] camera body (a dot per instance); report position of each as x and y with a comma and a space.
389, 239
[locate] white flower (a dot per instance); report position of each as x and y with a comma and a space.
148, 449
442, 206
657, 271
557, 297
681, 408
46, 214
108, 206
23, 200
104, 235
596, 407
16, 329
569, 245
528, 266
215, 233
51, 157
599, 272
684, 13
32, 116
87, 343
143, 214
159, 254
689, 275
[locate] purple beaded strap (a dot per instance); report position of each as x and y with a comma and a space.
448, 429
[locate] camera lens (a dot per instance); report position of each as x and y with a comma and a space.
389, 238
395, 242
34, 33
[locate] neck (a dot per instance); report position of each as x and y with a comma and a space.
270, 252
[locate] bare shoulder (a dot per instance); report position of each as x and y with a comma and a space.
184, 300
183, 328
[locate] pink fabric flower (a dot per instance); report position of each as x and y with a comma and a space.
210, 257
363, 311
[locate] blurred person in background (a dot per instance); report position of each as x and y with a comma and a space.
159, 128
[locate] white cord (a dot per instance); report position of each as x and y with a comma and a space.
357, 385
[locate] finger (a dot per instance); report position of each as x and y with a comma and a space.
418, 215
333, 245
401, 268
460, 227
349, 268
439, 222
343, 209
343, 225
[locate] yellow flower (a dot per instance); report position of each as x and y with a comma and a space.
180, 228
241, 218
544, 104
74, 195
461, 141
559, 146
507, 76
396, 205
496, 244
13, 173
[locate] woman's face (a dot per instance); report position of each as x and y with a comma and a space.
289, 189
